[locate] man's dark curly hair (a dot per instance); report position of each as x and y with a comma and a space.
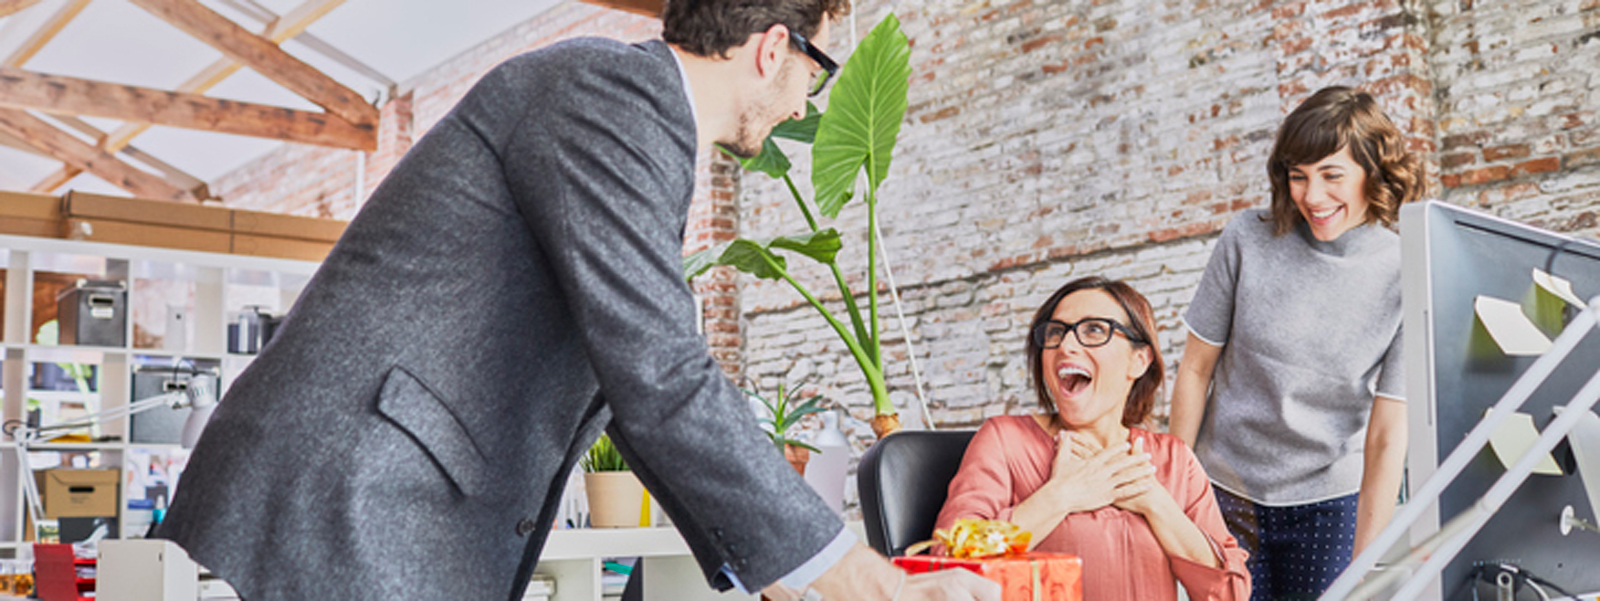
711, 27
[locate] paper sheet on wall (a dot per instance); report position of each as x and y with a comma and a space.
1557, 286
1511, 330
1585, 441
1513, 439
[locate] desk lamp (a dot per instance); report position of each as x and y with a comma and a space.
200, 395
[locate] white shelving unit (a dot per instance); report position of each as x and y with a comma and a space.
152, 570
221, 285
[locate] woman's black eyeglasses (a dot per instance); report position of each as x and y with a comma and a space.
820, 79
1091, 332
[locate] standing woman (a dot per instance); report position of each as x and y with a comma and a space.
1291, 385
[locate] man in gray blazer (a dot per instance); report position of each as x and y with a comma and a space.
513, 287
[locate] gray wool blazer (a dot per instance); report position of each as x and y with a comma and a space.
513, 287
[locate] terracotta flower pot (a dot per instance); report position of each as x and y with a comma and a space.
616, 499
798, 457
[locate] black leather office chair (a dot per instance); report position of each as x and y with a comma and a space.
903, 480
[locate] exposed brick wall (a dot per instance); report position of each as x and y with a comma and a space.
1519, 87
1050, 140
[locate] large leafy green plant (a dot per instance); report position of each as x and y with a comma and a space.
856, 134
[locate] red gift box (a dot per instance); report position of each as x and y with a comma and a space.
1025, 577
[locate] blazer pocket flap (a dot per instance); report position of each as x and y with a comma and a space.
413, 407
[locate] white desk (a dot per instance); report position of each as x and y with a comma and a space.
157, 570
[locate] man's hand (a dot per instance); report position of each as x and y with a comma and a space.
863, 575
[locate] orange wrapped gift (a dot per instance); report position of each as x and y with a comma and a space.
1025, 577
995, 550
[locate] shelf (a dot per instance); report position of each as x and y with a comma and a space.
162, 255
71, 353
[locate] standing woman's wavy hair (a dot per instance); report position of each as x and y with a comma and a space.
1338, 117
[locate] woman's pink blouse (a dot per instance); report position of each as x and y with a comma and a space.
1010, 458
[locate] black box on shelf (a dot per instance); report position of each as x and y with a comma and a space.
162, 425
93, 313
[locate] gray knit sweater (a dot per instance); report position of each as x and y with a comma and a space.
1310, 332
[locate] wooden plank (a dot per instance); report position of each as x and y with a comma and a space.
264, 57
287, 226
255, 10
290, 25
144, 234
55, 180
138, 210
178, 177
20, 89
67, 149
45, 33
10, 7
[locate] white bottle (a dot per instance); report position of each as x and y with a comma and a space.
827, 470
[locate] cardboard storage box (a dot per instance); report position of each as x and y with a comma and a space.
72, 493
25, 214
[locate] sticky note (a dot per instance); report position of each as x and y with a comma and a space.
1557, 286
1510, 328
1513, 439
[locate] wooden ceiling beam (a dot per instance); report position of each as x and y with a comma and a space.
55, 180
45, 33
255, 10
264, 57
10, 7
57, 94
74, 152
178, 177
288, 26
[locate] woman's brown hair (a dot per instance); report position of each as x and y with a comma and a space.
1340, 117
1141, 319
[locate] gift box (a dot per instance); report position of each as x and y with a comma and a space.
1025, 577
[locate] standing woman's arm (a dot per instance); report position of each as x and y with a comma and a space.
1191, 387
1384, 464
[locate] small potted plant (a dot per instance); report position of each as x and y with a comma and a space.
616, 498
783, 413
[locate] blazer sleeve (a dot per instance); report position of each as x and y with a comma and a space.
600, 161
1231, 582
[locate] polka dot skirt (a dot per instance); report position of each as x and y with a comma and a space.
1297, 551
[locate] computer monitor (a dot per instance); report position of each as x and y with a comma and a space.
1452, 255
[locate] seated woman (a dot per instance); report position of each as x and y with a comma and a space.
1135, 505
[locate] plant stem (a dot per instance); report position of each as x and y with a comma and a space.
880, 405
838, 277
800, 202
869, 369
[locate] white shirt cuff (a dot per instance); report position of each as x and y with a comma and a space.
808, 572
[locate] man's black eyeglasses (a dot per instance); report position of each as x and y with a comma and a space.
1091, 332
820, 79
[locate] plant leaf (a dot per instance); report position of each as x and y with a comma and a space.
822, 245
772, 161
865, 109
800, 130
751, 256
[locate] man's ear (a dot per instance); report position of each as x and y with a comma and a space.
770, 48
